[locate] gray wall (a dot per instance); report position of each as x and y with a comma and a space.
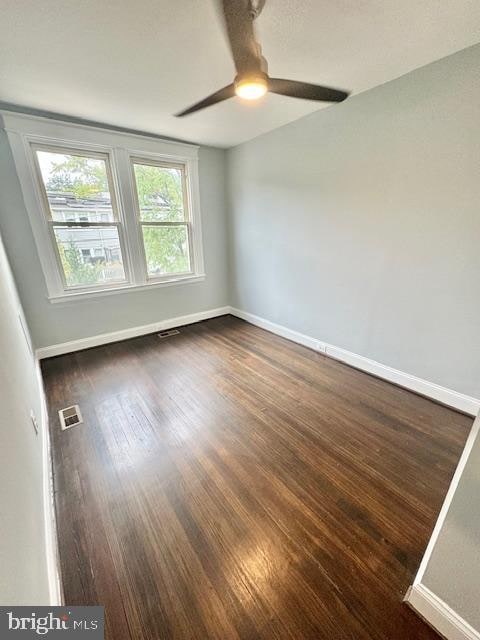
56, 323
359, 224
453, 572
23, 565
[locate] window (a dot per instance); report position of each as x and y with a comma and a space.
163, 215
109, 211
78, 195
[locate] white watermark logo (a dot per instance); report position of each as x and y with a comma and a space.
58, 622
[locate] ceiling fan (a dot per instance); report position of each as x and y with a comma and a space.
252, 80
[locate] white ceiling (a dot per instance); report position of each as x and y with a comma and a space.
135, 63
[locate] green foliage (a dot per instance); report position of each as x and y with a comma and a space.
76, 271
159, 193
166, 249
84, 177
160, 196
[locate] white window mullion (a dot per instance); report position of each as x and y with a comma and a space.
128, 207
195, 223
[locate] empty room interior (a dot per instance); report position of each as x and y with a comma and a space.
240, 319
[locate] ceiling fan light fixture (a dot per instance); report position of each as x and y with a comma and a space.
251, 87
252, 81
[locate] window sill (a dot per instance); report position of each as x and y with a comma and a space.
85, 295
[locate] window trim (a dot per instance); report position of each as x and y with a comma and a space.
25, 131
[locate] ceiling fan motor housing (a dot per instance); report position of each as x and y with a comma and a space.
250, 77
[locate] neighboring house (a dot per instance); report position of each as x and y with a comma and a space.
99, 244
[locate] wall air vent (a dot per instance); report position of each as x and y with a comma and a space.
167, 333
70, 417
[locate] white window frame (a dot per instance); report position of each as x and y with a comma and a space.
118, 222
26, 133
153, 161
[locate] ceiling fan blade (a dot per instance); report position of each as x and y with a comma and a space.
304, 90
219, 96
239, 24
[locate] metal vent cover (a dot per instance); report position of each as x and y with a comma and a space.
167, 333
70, 417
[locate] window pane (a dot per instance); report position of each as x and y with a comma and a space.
77, 187
160, 193
166, 249
90, 256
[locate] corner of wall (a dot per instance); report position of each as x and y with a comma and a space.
438, 614
429, 605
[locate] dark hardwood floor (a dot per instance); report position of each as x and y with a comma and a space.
229, 484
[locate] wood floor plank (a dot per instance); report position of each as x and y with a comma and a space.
229, 484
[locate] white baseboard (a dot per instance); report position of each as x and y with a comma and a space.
426, 603
278, 329
439, 615
446, 396
419, 597
124, 334
462, 463
50, 527
451, 398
